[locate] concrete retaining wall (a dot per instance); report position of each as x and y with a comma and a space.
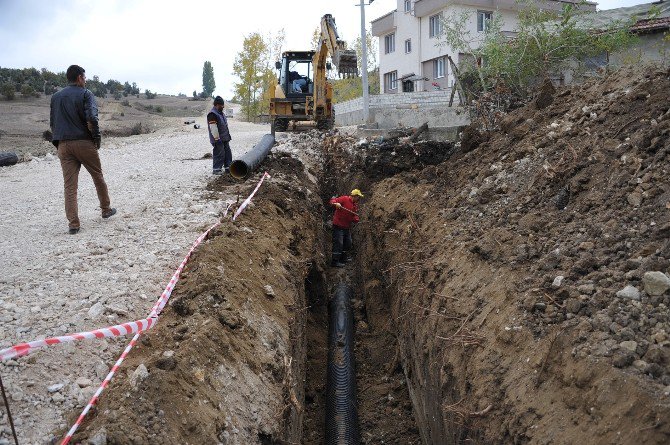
404, 110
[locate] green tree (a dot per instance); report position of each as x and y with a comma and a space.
371, 47
546, 43
8, 90
208, 83
251, 67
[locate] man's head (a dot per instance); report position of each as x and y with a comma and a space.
356, 195
76, 74
218, 103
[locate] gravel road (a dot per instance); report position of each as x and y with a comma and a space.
52, 283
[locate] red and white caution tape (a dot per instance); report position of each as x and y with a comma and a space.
246, 202
155, 312
102, 387
112, 331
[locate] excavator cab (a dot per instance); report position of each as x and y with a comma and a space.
296, 74
302, 92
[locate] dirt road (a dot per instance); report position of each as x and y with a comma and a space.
112, 271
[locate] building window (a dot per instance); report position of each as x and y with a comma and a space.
408, 5
391, 80
389, 43
484, 20
435, 25
408, 46
439, 68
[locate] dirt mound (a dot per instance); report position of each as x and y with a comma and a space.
507, 266
226, 362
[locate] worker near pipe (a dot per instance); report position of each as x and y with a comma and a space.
345, 216
219, 136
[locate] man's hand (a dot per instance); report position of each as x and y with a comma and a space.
97, 142
338, 205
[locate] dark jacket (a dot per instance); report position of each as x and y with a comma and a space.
221, 123
72, 109
342, 218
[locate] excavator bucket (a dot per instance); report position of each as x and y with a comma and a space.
347, 64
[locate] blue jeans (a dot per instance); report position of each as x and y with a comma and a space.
221, 155
341, 242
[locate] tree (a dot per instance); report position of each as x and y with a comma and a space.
149, 94
8, 90
208, 83
546, 43
371, 47
251, 66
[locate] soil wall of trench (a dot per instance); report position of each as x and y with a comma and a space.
226, 362
499, 266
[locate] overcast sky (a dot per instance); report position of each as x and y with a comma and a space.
162, 45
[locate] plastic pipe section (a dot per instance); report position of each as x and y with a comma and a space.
341, 412
242, 167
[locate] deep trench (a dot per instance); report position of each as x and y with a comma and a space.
385, 411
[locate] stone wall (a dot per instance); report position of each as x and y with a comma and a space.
404, 110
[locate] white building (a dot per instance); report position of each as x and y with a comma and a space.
410, 56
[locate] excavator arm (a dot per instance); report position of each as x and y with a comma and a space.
344, 59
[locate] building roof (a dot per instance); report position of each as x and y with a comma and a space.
385, 15
639, 13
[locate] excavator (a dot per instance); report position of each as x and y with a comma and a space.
302, 92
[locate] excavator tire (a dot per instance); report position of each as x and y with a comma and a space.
281, 124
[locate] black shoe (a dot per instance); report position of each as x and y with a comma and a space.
73, 230
337, 264
217, 172
109, 213
346, 258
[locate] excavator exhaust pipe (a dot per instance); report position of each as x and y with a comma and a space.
241, 168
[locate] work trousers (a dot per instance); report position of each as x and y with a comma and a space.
341, 242
72, 155
222, 157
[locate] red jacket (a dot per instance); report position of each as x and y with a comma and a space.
342, 218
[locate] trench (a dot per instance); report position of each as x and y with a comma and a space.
382, 407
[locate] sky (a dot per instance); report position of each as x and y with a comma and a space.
162, 45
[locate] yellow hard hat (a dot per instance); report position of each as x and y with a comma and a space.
356, 192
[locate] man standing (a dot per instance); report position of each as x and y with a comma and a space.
346, 214
76, 135
219, 136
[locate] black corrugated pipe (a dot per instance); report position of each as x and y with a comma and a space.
341, 412
242, 167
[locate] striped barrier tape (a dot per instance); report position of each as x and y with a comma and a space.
155, 312
134, 326
246, 202
102, 387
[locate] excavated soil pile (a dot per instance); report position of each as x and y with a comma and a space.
525, 277
226, 362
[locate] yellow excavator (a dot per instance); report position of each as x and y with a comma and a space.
302, 92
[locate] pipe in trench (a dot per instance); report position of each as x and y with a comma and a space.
247, 163
341, 412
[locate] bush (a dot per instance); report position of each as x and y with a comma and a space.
137, 129
117, 95
8, 90
125, 103
149, 94
159, 108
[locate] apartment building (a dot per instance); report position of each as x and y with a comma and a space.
412, 54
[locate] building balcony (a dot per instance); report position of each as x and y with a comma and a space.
384, 24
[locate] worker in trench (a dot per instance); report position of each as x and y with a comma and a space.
345, 216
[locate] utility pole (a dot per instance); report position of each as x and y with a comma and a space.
364, 65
